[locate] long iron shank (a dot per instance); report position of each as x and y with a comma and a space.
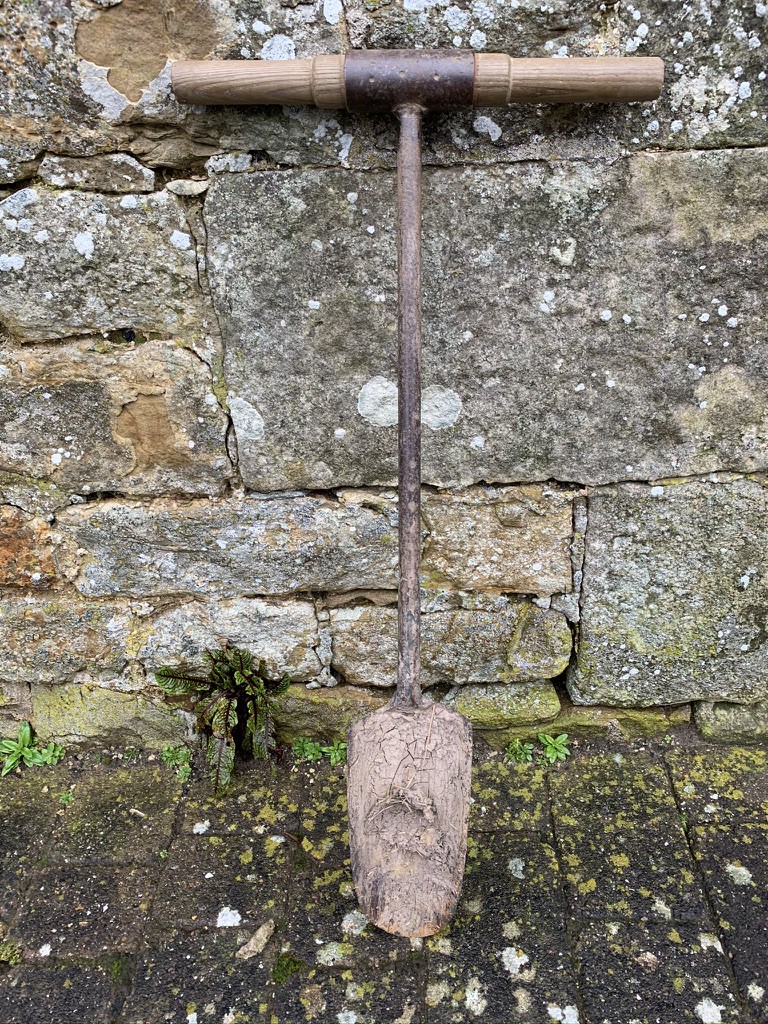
409, 403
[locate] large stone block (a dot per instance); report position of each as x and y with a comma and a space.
510, 539
514, 539
139, 417
282, 634
674, 594
555, 347
500, 706
86, 714
26, 556
732, 723
508, 640
233, 547
50, 640
83, 263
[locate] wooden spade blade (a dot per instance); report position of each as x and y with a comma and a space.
408, 789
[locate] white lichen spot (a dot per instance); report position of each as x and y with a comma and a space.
347, 1017
436, 992
514, 960
279, 47
440, 407
201, 827
192, 1017
12, 261
331, 953
661, 908
516, 867
247, 420
332, 10
377, 402
313, 304
232, 163
708, 1012
260, 28
129, 203
565, 252
83, 242
474, 999
354, 923
93, 82
45, 950
477, 442
478, 40
710, 942
41, 236
755, 992
487, 126
456, 19
228, 918
606, 315
56, 458
180, 240
738, 874
565, 1014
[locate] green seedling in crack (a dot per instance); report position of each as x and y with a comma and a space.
24, 750
518, 751
233, 693
556, 748
179, 758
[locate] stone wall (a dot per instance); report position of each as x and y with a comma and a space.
197, 436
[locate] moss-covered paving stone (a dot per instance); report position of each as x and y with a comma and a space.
29, 806
654, 974
118, 816
214, 881
505, 957
615, 786
262, 798
507, 796
735, 866
637, 871
84, 911
199, 977
360, 995
717, 786
57, 994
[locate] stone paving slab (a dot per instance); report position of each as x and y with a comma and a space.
734, 860
626, 886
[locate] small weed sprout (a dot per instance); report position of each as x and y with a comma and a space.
337, 753
10, 953
305, 749
24, 750
179, 758
232, 691
518, 751
556, 748
66, 798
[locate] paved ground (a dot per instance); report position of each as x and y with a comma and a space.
625, 886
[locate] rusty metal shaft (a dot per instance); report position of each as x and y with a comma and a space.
409, 403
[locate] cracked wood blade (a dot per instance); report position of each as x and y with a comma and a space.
408, 789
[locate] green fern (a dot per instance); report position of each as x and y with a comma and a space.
231, 691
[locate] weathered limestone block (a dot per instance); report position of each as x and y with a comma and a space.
326, 713
49, 640
282, 634
86, 714
591, 366
499, 706
15, 708
516, 642
26, 555
41, 98
233, 547
82, 263
674, 595
284, 545
732, 723
514, 539
114, 172
136, 417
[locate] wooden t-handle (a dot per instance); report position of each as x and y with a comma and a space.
498, 80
